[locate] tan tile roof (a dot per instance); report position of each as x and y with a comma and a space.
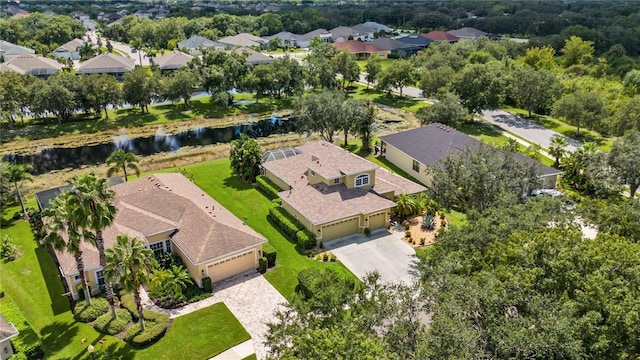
243, 39
7, 330
386, 181
163, 202
253, 57
29, 64
106, 63
173, 60
70, 46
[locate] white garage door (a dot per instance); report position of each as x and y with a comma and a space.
235, 265
339, 229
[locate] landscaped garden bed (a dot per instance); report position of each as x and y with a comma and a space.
416, 235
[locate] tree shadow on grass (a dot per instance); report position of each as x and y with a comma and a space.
59, 302
236, 183
58, 335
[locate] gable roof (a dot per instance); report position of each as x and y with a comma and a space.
243, 39
440, 36
355, 46
70, 46
7, 330
197, 41
285, 35
321, 33
163, 203
7, 48
30, 64
362, 29
468, 33
390, 44
432, 143
377, 26
173, 60
106, 63
415, 40
253, 57
343, 31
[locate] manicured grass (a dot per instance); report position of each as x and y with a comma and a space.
360, 92
251, 357
280, 51
586, 135
245, 202
384, 63
199, 335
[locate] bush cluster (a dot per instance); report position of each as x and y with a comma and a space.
206, 284
306, 239
167, 260
267, 187
106, 325
263, 265
271, 257
85, 314
306, 281
156, 324
285, 221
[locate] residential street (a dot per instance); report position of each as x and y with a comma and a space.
123, 48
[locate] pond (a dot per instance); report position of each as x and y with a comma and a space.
61, 158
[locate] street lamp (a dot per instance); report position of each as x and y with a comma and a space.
90, 350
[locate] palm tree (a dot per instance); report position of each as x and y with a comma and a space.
15, 174
557, 149
94, 201
177, 279
65, 233
86, 51
406, 205
122, 160
137, 44
129, 263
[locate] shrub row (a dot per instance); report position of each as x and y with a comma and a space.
153, 331
285, 221
271, 257
85, 314
27, 344
267, 187
106, 325
128, 302
306, 239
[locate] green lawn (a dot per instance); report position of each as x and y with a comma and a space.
244, 201
32, 283
385, 63
360, 92
199, 335
586, 135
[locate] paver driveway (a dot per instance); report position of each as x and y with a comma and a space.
383, 252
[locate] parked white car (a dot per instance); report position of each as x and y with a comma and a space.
547, 192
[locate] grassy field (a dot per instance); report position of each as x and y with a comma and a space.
245, 202
32, 283
360, 92
385, 63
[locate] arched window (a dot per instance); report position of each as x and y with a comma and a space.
362, 180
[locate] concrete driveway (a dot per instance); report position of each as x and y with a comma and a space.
384, 252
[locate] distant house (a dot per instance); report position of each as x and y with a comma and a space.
471, 33
362, 50
440, 37
253, 57
32, 65
396, 47
79, 15
170, 214
377, 27
334, 192
173, 60
8, 50
244, 40
364, 32
321, 34
196, 43
415, 41
7, 331
290, 39
69, 51
107, 64
345, 33
414, 150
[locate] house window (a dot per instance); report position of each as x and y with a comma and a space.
336, 181
100, 277
362, 180
76, 278
416, 166
158, 248
381, 53
167, 245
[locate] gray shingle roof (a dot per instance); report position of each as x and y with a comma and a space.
243, 39
197, 41
173, 60
70, 46
467, 33
254, 57
30, 64
106, 63
391, 44
317, 33
416, 40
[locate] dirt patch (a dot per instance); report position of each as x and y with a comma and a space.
418, 233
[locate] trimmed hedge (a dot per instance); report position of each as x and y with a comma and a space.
267, 187
285, 221
271, 257
306, 239
206, 284
85, 314
263, 264
109, 326
153, 332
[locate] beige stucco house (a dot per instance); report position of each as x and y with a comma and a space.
335, 193
171, 214
7, 331
414, 150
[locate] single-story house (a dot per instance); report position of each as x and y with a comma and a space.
32, 65
173, 60
362, 50
9, 50
321, 34
440, 37
290, 39
69, 51
358, 32
244, 40
377, 26
471, 33
7, 331
364, 32
171, 214
415, 40
196, 43
107, 63
414, 150
253, 57
396, 47
334, 192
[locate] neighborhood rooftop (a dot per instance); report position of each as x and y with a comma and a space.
106, 63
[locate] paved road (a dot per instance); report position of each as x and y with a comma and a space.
125, 49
